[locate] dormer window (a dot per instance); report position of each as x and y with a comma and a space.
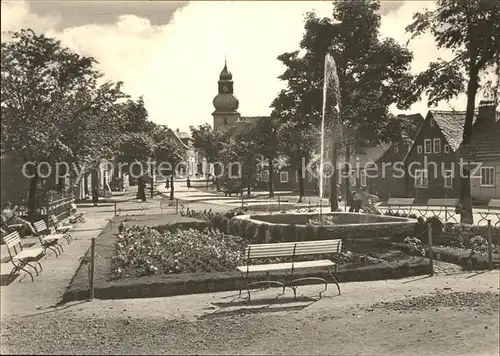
431, 122
396, 148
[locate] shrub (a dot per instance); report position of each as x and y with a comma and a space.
321, 233
250, 230
276, 233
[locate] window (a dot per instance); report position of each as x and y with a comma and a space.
431, 122
284, 177
362, 178
437, 145
225, 121
427, 145
448, 178
419, 149
487, 177
446, 148
396, 148
352, 180
421, 178
265, 175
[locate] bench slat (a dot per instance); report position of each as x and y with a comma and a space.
286, 266
40, 226
400, 201
12, 239
317, 250
442, 202
288, 248
494, 204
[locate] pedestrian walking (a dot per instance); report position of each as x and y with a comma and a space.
188, 183
95, 195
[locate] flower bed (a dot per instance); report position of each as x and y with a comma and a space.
469, 253
143, 251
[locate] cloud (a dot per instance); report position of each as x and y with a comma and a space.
176, 65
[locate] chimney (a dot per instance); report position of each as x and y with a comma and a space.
177, 130
486, 112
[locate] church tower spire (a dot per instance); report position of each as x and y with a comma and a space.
225, 103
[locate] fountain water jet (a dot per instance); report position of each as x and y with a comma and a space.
331, 92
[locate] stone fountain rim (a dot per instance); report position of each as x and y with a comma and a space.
398, 220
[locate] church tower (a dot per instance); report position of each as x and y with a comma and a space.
225, 103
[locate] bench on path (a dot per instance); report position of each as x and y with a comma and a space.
22, 258
438, 206
291, 250
395, 205
62, 229
48, 240
78, 216
493, 210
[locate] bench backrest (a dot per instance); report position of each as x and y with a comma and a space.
290, 249
494, 204
443, 202
54, 220
12, 240
40, 226
401, 201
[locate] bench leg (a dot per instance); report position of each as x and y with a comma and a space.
34, 267
52, 248
334, 279
20, 267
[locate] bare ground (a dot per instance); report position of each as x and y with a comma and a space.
442, 315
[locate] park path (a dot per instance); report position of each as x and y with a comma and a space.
50, 285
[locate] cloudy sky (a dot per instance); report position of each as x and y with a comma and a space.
172, 52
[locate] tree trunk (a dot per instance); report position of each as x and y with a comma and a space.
172, 187
466, 215
152, 181
301, 184
32, 196
334, 197
270, 178
347, 183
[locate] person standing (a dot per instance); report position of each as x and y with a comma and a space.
95, 195
355, 202
188, 183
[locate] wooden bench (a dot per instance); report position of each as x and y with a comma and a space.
290, 250
236, 189
399, 204
22, 258
48, 240
438, 206
78, 216
62, 229
493, 209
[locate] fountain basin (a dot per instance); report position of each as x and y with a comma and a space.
288, 227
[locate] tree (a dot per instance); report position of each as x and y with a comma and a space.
471, 29
209, 143
39, 80
298, 144
263, 131
90, 129
168, 150
373, 73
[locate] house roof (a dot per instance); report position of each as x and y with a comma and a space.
370, 155
451, 124
175, 134
183, 134
485, 143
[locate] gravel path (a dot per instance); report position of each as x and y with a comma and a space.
442, 315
